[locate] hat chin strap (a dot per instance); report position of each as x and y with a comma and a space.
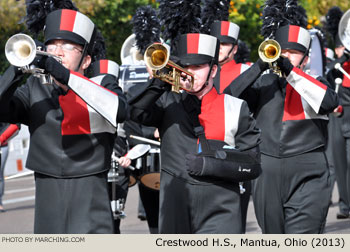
83, 54
302, 59
305, 54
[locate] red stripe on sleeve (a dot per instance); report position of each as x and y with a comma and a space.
293, 106
67, 20
192, 43
76, 119
104, 66
225, 26
293, 33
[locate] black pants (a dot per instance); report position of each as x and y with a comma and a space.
292, 194
72, 206
150, 201
198, 208
245, 197
341, 155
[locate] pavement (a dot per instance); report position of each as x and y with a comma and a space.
19, 216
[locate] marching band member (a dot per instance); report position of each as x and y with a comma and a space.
72, 123
292, 194
227, 33
199, 190
341, 131
103, 71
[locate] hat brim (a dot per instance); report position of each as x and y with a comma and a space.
194, 59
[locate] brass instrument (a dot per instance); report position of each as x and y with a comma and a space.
156, 57
269, 51
344, 30
21, 50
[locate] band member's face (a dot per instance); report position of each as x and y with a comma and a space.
294, 57
200, 73
224, 52
70, 54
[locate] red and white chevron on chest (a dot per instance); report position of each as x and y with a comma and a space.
79, 118
220, 117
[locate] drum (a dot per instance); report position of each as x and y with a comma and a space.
118, 173
150, 174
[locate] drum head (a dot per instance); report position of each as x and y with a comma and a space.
132, 181
151, 180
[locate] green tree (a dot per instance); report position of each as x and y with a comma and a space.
247, 15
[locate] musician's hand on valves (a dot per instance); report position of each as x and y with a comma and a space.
186, 81
285, 65
53, 67
124, 162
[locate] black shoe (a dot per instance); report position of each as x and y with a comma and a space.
141, 217
342, 215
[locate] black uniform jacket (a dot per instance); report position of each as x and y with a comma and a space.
291, 112
223, 117
344, 95
68, 137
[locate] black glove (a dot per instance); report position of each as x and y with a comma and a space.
284, 64
53, 67
262, 65
194, 164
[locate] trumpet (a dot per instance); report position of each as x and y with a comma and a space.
21, 50
156, 57
269, 51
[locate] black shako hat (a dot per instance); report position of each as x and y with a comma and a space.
293, 37
69, 25
197, 49
225, 31
102, 67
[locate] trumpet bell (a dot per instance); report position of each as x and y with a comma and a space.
20, 50
156, 56
269, 50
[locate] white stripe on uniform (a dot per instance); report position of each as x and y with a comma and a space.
104, 101
311, 92
232, 112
